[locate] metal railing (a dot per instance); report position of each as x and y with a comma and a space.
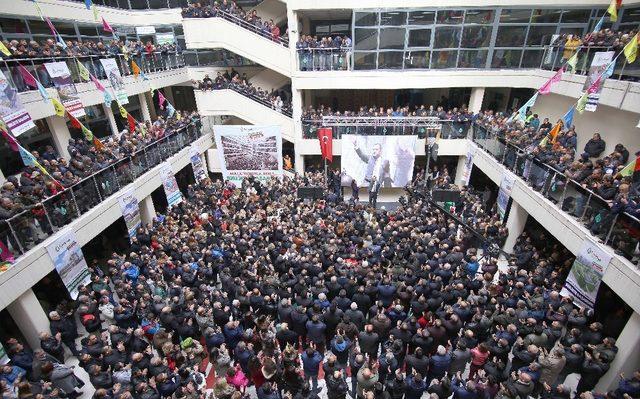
285, 110
283, 41
148, 63
380, 126
27, 229
325, 59
215, 58
619, 230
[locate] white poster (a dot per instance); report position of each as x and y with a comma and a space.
115, 79
468, 166
12, 112
506, 185
130, 211
586, 274
197, 164
171, 189
165, 38
67, 256
389, 158
61, 76
599, 64
249, 151
4, 358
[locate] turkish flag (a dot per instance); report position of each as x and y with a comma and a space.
325, 136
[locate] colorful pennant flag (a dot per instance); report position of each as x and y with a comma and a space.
613, 9
631, 49
96, 82
51, 27
170, 110
161, 100
522, 112
595, 86
132, 123
38, 9
74, 121
43, 92
95, 12
567, 119
61, 42
632, 169
58, 107
105, 26
582, 103
135, 68
27, 77
83, 71
123, 112
87, 3
546, 88
4, 50
598, 26
13, 144
27, 158
88, 134
107, 98
573, 62
554, 132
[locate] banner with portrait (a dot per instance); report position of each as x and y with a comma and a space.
61, 76
197, 164
389, 159
506, 185
12, 112
249, 151
170, 185
130, 211
4, 358
468, 166
586, 274
112, 72
66, 254
599, 64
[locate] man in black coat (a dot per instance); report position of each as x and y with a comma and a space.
66, 326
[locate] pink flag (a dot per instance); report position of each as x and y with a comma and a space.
546, 88
595, 86
27, 76
99, 85
106, 26
53, 29
161, 100
5, 255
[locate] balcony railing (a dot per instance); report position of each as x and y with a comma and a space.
27, 229
621, 230
148, 63
239, 89
380, 126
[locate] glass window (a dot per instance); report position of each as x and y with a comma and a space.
571, 31
395, 18
178, 3
206, 58
421, 17
88, 30
155, 4
177, 30
450, 16
417, 59
511, 36
476, 36
545, 16
419, 37
629, 15
472, 58
366, 39
364, 60
392, 38
532, 58
41, 27
575, 16
139, 4
366, 19
479, 17
447, 36
190, 58
506, 58
515, 15
540, 35
444, 59
390, 59
10, 25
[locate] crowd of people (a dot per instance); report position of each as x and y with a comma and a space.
275, 292
568, 43
228, 9
279, 100
325, 53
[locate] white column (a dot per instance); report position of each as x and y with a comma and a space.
144, 107
298, 163
29, 316
462, 161
112, 119
147, 210
2, 178
515, 223
152, 107
60, 134
475, 102
627, 360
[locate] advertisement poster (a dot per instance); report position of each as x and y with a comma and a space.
61, 76
130, 211
12, 112
197, 164
389, 158
4, 358
115, 79
506, 185
249, 151
468, 166
599, 64
586, 274
171, 189
67, 256
165, 38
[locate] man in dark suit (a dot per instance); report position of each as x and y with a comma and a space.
374, 187
376, 165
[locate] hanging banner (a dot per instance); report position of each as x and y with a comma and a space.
249, 151
130, 211
468, 166
4, 358
197, 164
66, 254
115, 79
171, 189
601, 61
506, 185
165, 38
61, 76
12, 112
586, 274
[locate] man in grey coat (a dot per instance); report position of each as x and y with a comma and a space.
552, 365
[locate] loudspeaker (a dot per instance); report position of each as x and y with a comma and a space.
310, 192
445, 195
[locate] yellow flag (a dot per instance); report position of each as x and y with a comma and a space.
135, 68
58, 107
613, 10
123, 111
83, 71
554, 133
631, 49
4, 50
88, 134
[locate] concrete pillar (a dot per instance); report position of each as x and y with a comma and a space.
627, 360
515, 223
29, 316
462, 161
144, 107
2, 178
112, 119
152, 107
60, 134
147, 210
298, 163
475, 102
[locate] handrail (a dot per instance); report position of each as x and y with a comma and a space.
257, 99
